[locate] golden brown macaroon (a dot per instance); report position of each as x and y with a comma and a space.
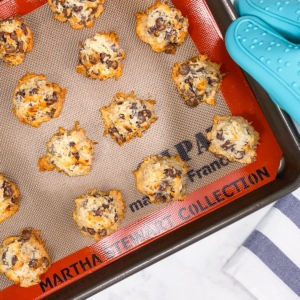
15, 40
127, 117
100, 57
162, 27
69, 151
98, 214
37, 100
197, 80
9, 198
79, 13
23, 258
234, 138
162, 178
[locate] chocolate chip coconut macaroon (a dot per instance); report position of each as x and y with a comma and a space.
15, 40
9, 198
98, 214
70, 151
79, 13
197, 80
234, 138
23, 258
127, 117
162, 27
100, 57
37, 100
162, 178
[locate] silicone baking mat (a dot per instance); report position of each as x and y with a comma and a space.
48, 198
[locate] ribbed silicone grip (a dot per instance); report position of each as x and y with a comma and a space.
282, 15
269, 58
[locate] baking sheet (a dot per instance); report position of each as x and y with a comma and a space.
47, 198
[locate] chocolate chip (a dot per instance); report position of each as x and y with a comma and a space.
72, 144
91, 231
170, 172
170, 49
92, 60
109, 200
33, 263
240, 154
76, 155
210, 81
13, 36
14, 200
226, 146
141, 116
54, 96
114, 48
34, 91
26, 235
103, 232
24, 28
116, 218
220, 135
202, 69
121, 116
122, 138
84, 229
113, 130
102, 56
163, 185
20, 47
8, 192
184, 69
77, 8
14, 259
169, 34
192, 102
45, 262
128, 128
52, 112
133, 106
11, 49
4, 255
151, 30
160, 24
147, 113
160, 197
112, 64
105, 206
97, 212
50, 101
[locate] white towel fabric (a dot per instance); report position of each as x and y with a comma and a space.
268, 263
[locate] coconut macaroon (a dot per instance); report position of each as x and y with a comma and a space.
127, 117
15, 40
162, 27
69, 151
79, 13
234, 138
197, 80
23, 258
100, 57
98, 214
162, 178
37, 100
9, 198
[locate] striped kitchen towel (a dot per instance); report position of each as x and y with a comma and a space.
268, 263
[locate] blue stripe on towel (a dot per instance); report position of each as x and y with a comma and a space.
275, 259
290, 206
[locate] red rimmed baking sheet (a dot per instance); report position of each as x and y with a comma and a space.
240, 100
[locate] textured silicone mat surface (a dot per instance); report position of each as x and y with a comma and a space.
47, 199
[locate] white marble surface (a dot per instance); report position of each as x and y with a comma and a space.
193, 273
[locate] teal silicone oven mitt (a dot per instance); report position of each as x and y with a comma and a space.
264, 53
